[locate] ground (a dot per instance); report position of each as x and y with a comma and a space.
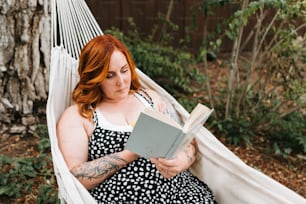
290, 171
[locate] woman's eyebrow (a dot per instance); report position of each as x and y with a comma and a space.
124, 66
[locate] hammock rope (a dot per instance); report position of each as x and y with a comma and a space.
232, 181
73, 25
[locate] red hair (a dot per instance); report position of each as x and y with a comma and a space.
93, 68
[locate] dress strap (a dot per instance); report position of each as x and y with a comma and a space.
95, 117
144, 94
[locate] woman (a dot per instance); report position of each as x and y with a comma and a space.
93, 132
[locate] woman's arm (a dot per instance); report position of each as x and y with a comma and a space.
73, 131
183, 160
94, 172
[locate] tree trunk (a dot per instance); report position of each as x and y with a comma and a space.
24, 63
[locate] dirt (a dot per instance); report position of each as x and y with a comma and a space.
289, 171
18, 146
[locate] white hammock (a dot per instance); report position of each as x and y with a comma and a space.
231, 180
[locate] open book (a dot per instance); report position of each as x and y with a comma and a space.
157, 135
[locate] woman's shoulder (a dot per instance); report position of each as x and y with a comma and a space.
73, 109
70, 114
153, 94
71, 117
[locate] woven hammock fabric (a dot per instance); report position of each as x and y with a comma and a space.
231, 180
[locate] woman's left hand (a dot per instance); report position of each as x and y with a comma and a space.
169, 168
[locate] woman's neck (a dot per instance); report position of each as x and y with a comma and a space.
115, 102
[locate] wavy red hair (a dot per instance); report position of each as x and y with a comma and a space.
93, 67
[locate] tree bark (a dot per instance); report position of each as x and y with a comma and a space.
24, 61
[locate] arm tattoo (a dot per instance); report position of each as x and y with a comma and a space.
103, 167
190, 156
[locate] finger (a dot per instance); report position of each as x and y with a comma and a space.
166, 169
165, 162
168, 174
159, 164
153, 159
173, 170
156, 162
163, 167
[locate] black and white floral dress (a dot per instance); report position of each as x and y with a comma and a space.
139, 182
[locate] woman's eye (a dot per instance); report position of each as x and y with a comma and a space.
109, 75
125, 69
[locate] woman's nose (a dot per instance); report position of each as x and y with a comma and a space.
119, 80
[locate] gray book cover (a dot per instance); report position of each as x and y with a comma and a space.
152, 137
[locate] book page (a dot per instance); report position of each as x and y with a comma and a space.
197, 117
162, 117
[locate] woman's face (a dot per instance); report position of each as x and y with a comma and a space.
116, 85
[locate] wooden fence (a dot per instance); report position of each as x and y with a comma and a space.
115, 13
